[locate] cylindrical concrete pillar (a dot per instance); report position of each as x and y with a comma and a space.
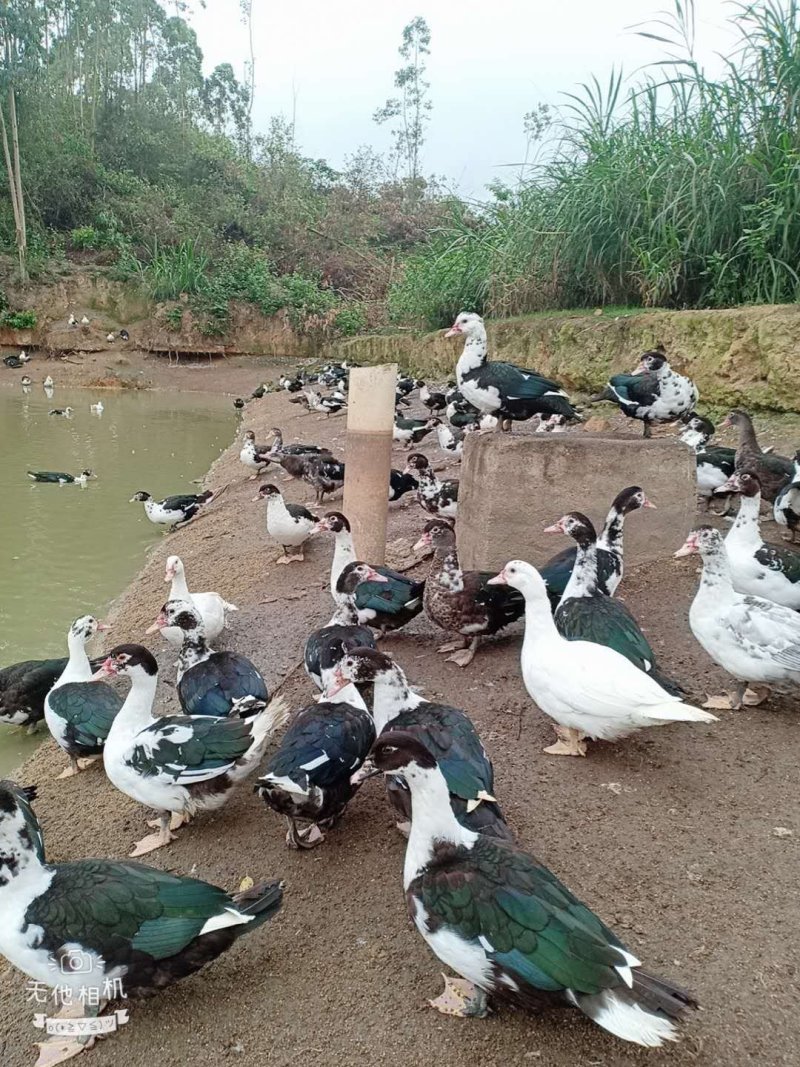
368, 457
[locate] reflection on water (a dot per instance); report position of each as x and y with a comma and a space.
67, 551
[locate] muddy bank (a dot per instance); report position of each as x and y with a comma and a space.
669, 836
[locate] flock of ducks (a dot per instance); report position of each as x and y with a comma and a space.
485, 906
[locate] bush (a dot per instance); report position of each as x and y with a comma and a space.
174, 317
350, 320
19, 320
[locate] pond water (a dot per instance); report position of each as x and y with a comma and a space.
67, 551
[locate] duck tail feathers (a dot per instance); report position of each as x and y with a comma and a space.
668, 684
643, 1015
232, 607
262, 902
673, 711
274, 715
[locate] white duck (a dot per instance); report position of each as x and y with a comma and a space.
48, 383
212, 607
589, 690
753, 639
289, 524
97, 409
758, 568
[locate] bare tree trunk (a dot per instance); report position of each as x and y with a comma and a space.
13, 170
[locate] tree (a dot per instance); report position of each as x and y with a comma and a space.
412, 108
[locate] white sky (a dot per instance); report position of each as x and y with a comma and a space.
333, 62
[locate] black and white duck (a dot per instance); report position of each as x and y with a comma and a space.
446, 732
653, 393
23, 688
79, 713
503, 921
26, 382
410, 431
328, 405
585, 613
178, 764
510, 393
61, 478
15, 362
290, 525
72, 320
209, 682
461, 602
434, 400
325, 647
757, 568
134, 930
773, 471
296, 449
715, 463
435, 497
63, 413
556, 572
291, 385
312, 776
406, 384
401, 483
124, 335
173, 511
475, 420
238, 403
212, 607
260, 391
587, 689
325, 474
385, 605
786, 509
754, 639
450, 440
254, 456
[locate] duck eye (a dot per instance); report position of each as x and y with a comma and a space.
390, 748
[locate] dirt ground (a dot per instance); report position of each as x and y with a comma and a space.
669, 836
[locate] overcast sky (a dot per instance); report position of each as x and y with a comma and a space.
332, 63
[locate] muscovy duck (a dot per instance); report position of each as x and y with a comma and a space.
213, 609
506, 924
434, 401
587, 614
291, 385
26, 382
15, 362
755, 640
325, 474
446, 732
435, 497
260, 391
23, 688
296, 449
325, 647
328, 405
312, 776
588, 690
289, 524
97, 409
501, 389
757, 568
385, 605
60, 478
786, 509
173, 511
48, 383
179, 764
715, 463
772, 470
256, 457
556, 572
135, 929
401, 483
410, 431
450, 440
653, 393
78, 713
462, 602
64, 413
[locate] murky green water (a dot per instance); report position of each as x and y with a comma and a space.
67, 551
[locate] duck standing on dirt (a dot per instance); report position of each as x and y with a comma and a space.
325, 474
450, 440
587, 689
502, 389
325, 647
653, 393
78, 712
256, 457
446, 732
178, 764
715, 463
587, 614
462, 602
173, 511
290, 525
401, 483
558, 569
133, 929
410, 431
212, 607
385, 605
295, 449
786, 509
435, 497
434, 401
60, 478
773, 471
757, 568
503, 921
755, 640
15, 362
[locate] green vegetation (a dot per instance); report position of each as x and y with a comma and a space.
19, 320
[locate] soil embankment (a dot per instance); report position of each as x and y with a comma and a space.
670, 836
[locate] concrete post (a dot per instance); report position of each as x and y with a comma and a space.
368, 457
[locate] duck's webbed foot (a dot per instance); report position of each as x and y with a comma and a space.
461, 998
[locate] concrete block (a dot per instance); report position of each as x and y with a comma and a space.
512, 486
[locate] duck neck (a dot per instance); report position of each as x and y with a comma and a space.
276, 509
428, 482
446, 571
538, 621
473, 356
18, 859
433, 822
583, 580
194, 650
611, 535
343, 553
136, 712
78, 668
391, 697
179, 590
346, 613
747, 435
745, 530
715, 580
